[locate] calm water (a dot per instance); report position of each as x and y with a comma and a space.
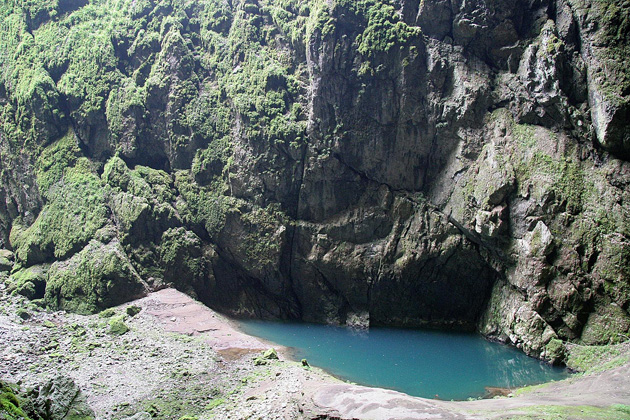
421, 363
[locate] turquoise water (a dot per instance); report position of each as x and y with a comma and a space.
430, 364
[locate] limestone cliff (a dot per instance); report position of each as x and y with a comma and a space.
414, 163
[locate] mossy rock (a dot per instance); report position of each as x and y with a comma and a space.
202, 207
6, 260
116, 174
31, 282
182, 258
555, 351
140, 202
23, 313
98, 277
60, 398
55, 160
609, 324
132, 215
133, 310
107, 313
10, 404
117, 326
268, 355
75, 211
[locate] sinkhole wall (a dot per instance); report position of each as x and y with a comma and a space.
413, 163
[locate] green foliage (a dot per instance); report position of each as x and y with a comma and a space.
182, 258
75, 212
55, 160
98, 277
201, 206
592, 359
262, 241
10, 408
384, 30
30, 282
107, 313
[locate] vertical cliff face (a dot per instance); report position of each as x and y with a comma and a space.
436, 163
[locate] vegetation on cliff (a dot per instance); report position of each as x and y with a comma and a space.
364, 162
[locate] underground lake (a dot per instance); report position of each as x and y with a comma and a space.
422, 363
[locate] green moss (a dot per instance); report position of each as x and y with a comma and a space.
607, 324
263, 239
10, 406
116, 173
125, 110
5, 263
201, 206
555, 350
55, 159
525, 134
215, 403
23, 313
592, 359
117, 326
133, 310
98, 277
107, 313
613, 19
140, 202
384, 30
30, 282
182, 259
76, 210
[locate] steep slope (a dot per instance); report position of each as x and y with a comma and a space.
435, 163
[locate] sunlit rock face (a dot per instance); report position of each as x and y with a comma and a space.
438, 163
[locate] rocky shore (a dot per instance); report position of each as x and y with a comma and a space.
166, 356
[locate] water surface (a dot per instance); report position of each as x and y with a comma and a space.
430, 364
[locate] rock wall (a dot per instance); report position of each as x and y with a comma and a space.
438, 163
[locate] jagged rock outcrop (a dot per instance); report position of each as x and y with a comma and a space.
413, 163
59, 398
